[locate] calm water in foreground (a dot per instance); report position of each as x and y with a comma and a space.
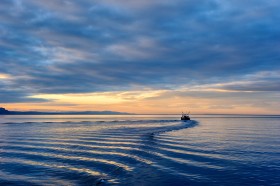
139, 150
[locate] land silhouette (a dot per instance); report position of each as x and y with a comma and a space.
4, 111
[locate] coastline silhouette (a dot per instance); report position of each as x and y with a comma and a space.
4, 111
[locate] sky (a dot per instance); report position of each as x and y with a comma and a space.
141, 56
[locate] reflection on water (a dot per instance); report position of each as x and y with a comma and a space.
139, 150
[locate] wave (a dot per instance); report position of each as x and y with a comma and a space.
85, 152
134, 151
94, 122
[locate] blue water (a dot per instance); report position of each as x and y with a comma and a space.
139, 150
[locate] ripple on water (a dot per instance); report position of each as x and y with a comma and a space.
139, 152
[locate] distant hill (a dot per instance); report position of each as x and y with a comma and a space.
3, 111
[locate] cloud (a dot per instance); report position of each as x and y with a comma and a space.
265, 81
12, 96
62, 47
255, 86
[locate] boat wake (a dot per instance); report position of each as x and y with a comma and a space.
147, 139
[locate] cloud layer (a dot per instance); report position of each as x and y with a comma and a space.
67, 46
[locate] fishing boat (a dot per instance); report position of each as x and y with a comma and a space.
185, 116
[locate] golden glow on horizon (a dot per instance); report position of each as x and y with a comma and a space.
152, 102
99, 98
80, 98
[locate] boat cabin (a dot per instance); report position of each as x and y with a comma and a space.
185, 116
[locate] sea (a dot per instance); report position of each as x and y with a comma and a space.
143, 150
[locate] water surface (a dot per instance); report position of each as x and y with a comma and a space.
139, 150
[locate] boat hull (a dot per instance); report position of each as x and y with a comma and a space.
185, 118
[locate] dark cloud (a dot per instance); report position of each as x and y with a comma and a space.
59, 46
255, 86
13, 96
